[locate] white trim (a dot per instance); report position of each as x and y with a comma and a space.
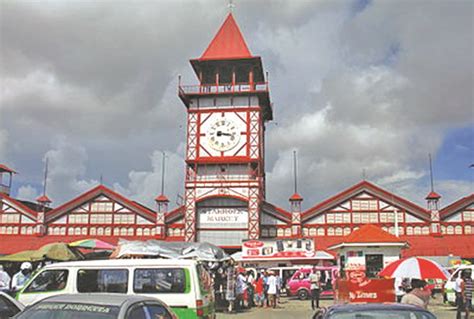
342, 245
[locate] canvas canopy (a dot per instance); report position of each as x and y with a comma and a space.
54, 251
178, 250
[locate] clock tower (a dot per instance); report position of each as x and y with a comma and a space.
225, 167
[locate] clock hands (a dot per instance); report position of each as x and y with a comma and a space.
220, 133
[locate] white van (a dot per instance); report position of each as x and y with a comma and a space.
449, 286
184, 285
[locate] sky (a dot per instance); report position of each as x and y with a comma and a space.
360, 89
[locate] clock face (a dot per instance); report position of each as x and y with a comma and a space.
223, 135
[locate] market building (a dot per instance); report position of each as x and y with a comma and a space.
225, 201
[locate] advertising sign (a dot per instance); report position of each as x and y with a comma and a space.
220, 217
365, 290
281, 248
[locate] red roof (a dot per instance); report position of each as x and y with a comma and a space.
4, 168
371, 189
296, 197
162, 198
433, 195
371, 234
228, 43
43, 199
456, 206
19, 205
456, 245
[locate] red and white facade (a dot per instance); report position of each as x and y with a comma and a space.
224, 200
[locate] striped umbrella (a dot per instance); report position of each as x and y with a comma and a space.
92, 244
415, 267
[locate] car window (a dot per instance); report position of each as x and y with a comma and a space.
58, 310
205, 281
159, 280
49, 280
102, 280
157, 312
7, 308
137, 312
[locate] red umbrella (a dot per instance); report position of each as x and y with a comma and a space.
415, 267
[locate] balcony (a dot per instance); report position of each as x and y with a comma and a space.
261, 89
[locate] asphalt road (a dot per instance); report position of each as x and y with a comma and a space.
294, 308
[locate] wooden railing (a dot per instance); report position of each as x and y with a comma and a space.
223, 88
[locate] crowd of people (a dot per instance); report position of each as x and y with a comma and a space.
463, 288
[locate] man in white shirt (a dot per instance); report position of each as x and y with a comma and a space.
272, 289
4, 280
315, 280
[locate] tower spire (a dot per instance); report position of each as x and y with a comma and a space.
163, 174
231, 6
44, 200
295, 172
431, 173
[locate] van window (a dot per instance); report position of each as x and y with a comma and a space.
48, 280
159, 280
102, 280
205, 281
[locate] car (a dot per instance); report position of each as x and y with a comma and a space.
373, 311
9, 306
299, 284
97, 306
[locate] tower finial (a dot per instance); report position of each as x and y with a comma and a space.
431, 173
231, 6
163, 174
295, 172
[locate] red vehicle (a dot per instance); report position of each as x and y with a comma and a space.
299, 285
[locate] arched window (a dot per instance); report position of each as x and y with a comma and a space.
312, 232
409, 230
320, 231
29, 230
330, 231
417, 230
123, 231
77, 231
63, 231
273, 232
146, 232
84, 230
450, 230
23, 230
70, 230
288, 232
467, 229
401, 230
458, 230
305, 231
443, 229
140, 232
338, 231
130, 231
93, 231
280, 232
425, 230
347, 231
108, 231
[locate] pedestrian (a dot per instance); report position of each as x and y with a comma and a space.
258, 287
265, 288
4, 280
468, 287
230, 289
250, 289
272, 289
279, 286
315, 286
240, 287
21, 277
419, 295
399, 288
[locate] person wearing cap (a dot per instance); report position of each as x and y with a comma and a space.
21, 277
4, 280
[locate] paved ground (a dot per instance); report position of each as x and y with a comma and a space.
293, 308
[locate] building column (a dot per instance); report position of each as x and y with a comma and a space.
295, 206
190, 215
254, 212
161, 211
432, 202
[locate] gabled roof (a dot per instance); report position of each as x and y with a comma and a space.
228, 43
93, 193
372, 189
456, 206
369, 234
276, 211
21, 206
6, 169
174, 214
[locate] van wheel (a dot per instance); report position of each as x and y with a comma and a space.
302, 294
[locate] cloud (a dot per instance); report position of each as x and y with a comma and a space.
66, 171
27, 192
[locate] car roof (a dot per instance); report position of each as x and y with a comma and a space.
123, 263
373, 306
99, 299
